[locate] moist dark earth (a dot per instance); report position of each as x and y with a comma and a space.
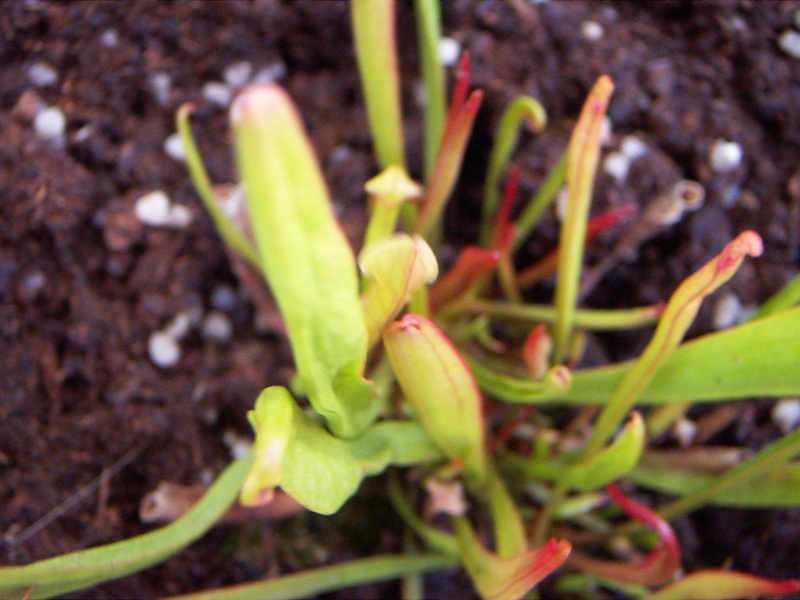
84, 284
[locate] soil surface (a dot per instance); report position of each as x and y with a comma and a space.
84, 283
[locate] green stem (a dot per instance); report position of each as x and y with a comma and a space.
412, 586
584, 154
429, 33
589, 318
509, 530
540, 202
376, 53
434, 538
785, 299
202, 184
382, 223
678, 316
769, 458
334, 577
664, 417
545, 517
523, 108
79, 570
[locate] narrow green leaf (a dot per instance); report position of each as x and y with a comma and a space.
79, 570
541, 200
786, 298
588, 318
555, 384
723, 585
429, 34
678, 316
376, 52
202, 184
509, 529
588, 587
305, 256
612, 462
329, 578
732, 364
779, 487
523, 109
756, 359
768, 459
583, 156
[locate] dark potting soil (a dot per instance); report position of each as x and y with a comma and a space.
84, 284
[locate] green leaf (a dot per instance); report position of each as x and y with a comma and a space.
395, 268
507, 578
535, 208
232, 235
787, 297
311, 582
407, 442
608, 465
438, 384
373, 24
678, 316
778, 488
755, 359
521, 110
586, 318
317, 469
429, 32
305, 256
767, 460
79, 570
555, 384
723, 585
612, 462
299, 455
583, 156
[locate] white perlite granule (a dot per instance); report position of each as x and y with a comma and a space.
50, 123
42, 74
163, 350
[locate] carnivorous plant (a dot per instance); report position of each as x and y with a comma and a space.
397, 356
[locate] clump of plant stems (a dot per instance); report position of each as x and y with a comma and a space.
395, 359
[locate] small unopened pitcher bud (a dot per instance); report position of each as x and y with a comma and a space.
439, 385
